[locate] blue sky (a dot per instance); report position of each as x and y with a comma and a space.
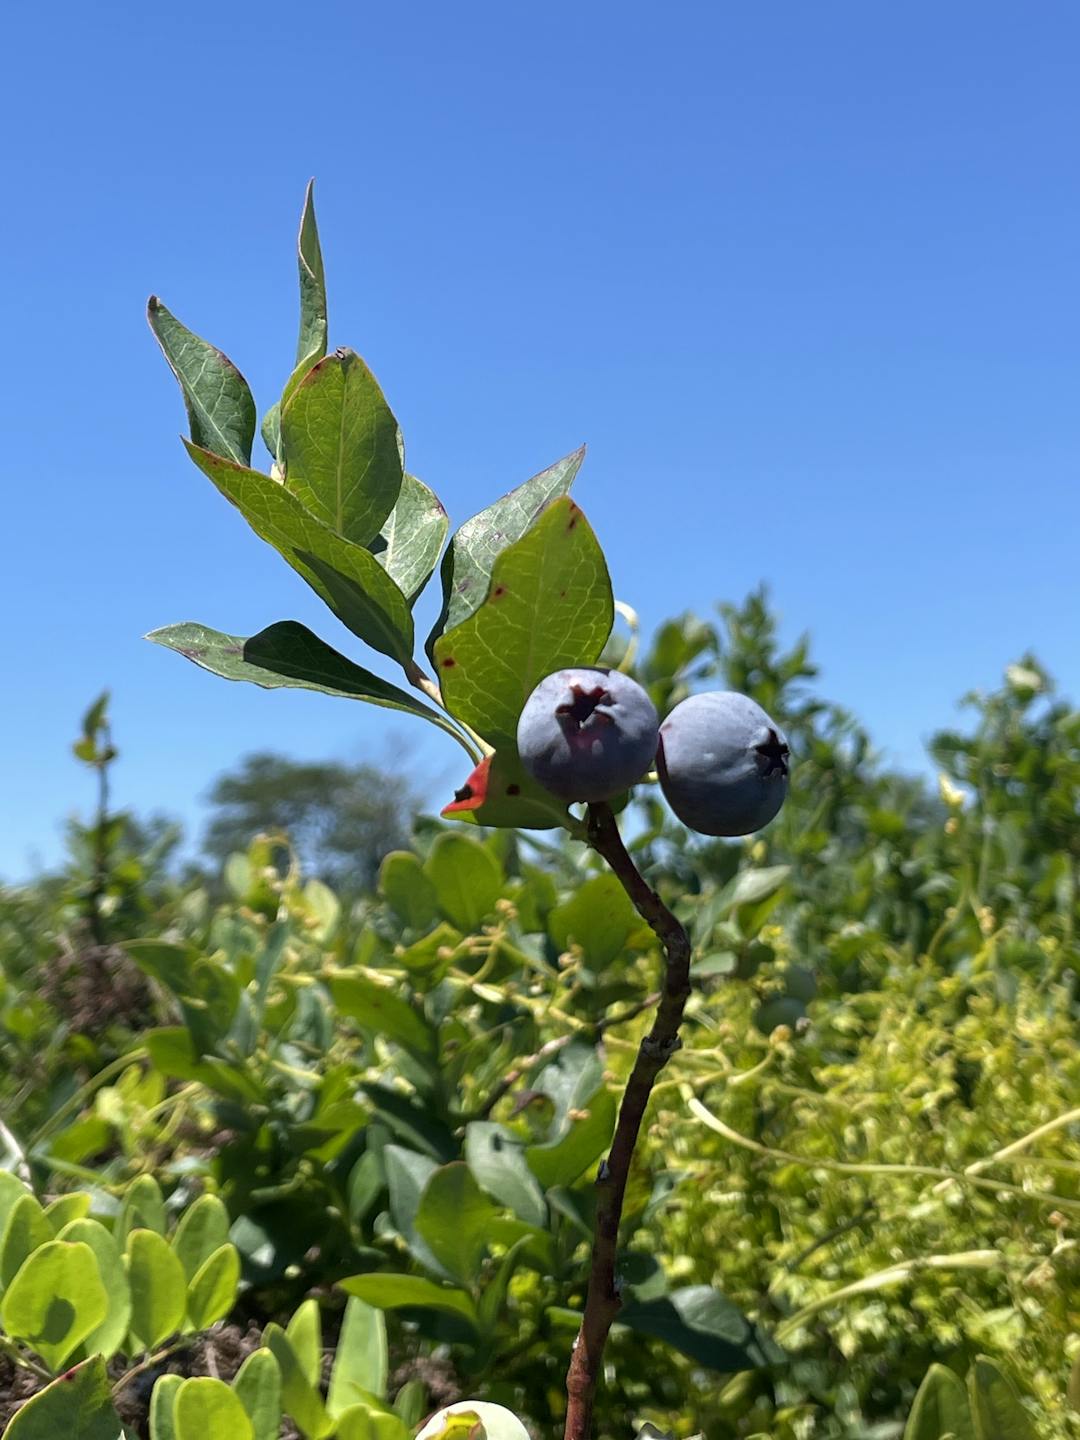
804, 277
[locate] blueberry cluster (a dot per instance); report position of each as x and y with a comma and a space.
589, 734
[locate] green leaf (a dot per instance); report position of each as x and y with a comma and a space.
258, 1387
298, 1398
940, 1408
467, 564
699, 1322
599, 917
751, 886
497, 1160
998, 1411
404, 885
454, 1217
172, 1052
408, 545
311, 343
380, 1009
339, 440
66, 1208
549, 605
360, 1360
203, 1228
12, 1191
396, 1292
206, 1409
78, 1406
55, 1301
208, 993
574, 1082
108, 1337
346, 577
26, 1229
407, 1173
304, 1334
158, 1288
163, 1407
467, 879
221, 412
212, 1292
288, 655
363, 1422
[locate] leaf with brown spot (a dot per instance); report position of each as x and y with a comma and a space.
468, 562
554, 609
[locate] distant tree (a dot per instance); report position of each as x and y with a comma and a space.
340, 819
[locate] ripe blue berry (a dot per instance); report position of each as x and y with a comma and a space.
723, 764
587, 734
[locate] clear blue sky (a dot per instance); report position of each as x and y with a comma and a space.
805, 277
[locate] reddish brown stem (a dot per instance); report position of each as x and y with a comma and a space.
602, 1301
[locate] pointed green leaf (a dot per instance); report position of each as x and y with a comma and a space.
467, 879
258, 1387
549, 605
346, 577
360, 1360
288, 655
163, 1408
382, 1010
998, 1411
497, 1160
467, 564
158, 1288
108, 1337
26, 1229
212, 1292
221, 412
940, 1408
78, 1406
395, 1292
410, 541
311, 343
203, 1228
298, 1398
206, 1409
55, 1300
454, 1217
339, 440
304, 1334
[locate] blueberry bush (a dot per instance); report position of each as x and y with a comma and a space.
576, 1121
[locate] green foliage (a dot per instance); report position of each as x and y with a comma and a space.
398, 1105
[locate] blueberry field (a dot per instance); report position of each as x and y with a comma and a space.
691, 1072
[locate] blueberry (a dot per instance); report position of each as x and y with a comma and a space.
723, 764
587, 734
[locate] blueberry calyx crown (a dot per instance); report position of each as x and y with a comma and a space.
583, 708
772, 755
